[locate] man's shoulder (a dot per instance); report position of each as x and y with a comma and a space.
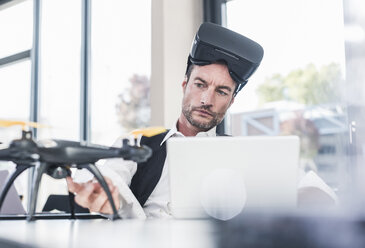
152, 136
149, 131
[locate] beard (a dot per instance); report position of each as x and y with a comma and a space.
204, 126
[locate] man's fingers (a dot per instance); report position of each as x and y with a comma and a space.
84, 196
107, 207
108, 182
72, 186
92, 195
98, 202
99, 188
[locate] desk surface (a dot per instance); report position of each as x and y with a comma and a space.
323, 230
105, 233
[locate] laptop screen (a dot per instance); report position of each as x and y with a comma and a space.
212, 175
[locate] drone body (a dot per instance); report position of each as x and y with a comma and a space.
57, 157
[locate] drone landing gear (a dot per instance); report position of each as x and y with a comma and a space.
19, 169
42, 168
71, 200
39, 170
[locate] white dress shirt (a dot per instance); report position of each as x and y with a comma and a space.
121, 172
157, 205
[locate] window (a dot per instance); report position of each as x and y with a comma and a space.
15, 66
120, 71
16, 28
60, 40
15, 90
298, 87
119, 56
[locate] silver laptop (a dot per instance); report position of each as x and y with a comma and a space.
223, 176
12, 203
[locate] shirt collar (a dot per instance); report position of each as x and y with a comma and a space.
175, 133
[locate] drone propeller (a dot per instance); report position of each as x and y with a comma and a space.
23, 124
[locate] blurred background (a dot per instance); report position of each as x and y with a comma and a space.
95, 70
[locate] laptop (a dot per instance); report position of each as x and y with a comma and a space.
12, 203
222, 176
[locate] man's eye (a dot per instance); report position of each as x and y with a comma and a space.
199, 85
222, 93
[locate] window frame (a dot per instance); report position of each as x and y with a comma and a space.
32, 54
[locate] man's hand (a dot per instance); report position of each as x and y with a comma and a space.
92, 196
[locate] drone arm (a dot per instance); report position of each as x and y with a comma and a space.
5, 154
94, 170
137, 154
39, 170
10, 180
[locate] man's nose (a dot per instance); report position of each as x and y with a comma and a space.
207, 97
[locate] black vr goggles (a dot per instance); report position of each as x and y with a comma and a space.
215, 43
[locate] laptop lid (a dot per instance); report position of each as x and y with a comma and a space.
221, 176
12, 203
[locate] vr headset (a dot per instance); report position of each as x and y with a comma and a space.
214, 43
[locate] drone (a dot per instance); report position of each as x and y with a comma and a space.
57, 157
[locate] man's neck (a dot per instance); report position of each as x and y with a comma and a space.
184, 127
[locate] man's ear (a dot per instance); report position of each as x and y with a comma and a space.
184, 84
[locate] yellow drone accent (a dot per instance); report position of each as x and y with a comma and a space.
7, 123
148, 132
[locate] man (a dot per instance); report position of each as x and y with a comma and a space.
216, 72
207, 94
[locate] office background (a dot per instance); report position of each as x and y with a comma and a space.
94, 70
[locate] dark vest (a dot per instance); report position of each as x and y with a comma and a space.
148, 173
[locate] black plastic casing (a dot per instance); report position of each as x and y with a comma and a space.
213, 43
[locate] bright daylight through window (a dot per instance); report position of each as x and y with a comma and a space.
119, 74
297, 89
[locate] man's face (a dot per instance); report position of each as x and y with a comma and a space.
207, 95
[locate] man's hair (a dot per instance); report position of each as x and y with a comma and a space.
191, 67
188, 72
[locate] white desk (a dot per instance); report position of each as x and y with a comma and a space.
104, 233
251, 230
